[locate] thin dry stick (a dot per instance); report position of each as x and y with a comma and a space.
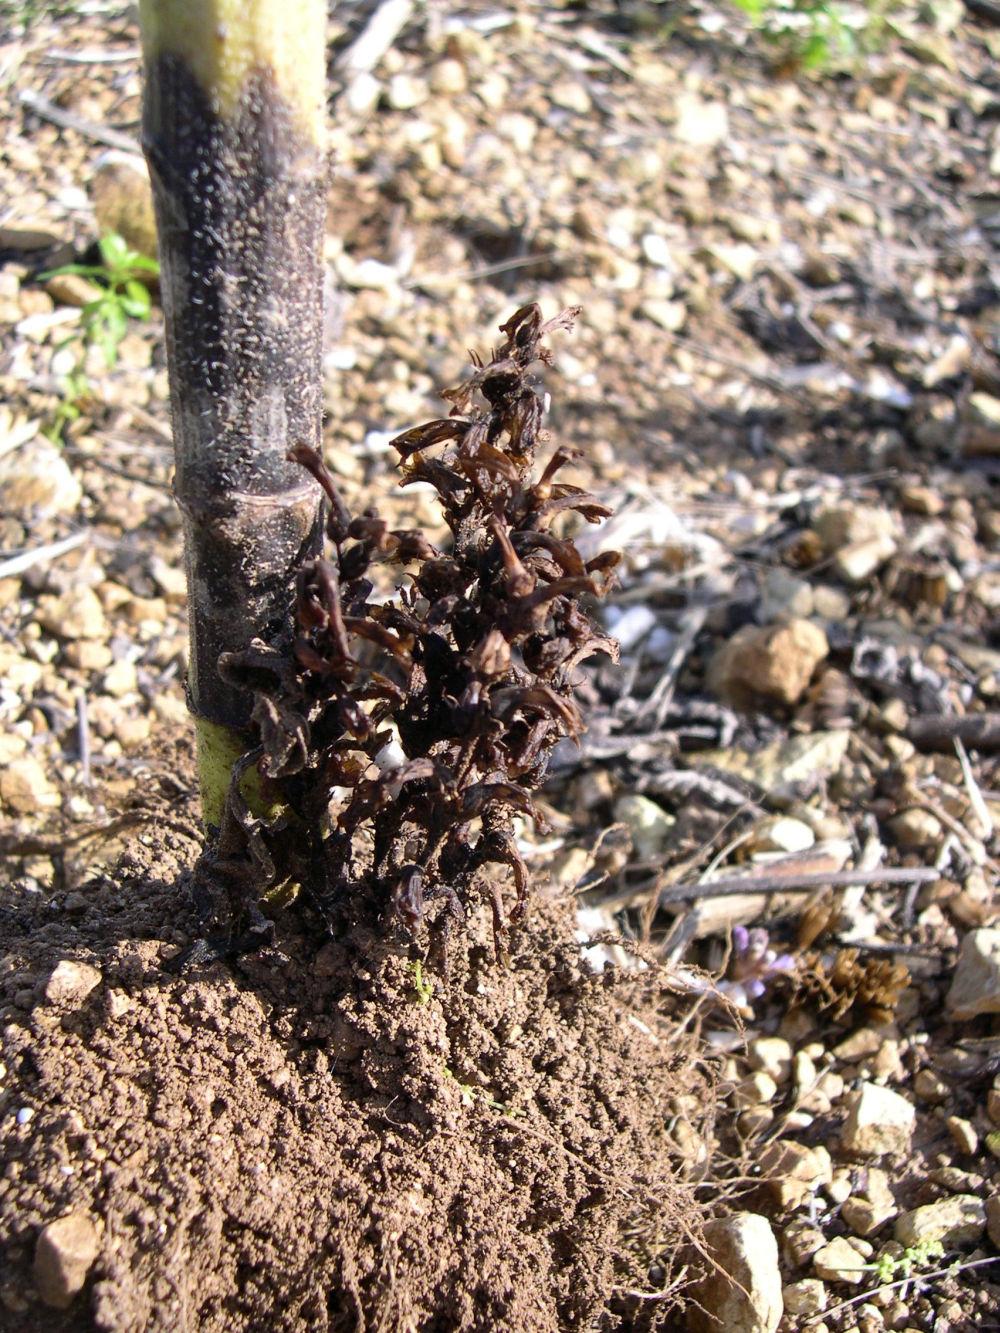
17, 564
891, 1286
979, 807
805, 883
66, 120
938, 731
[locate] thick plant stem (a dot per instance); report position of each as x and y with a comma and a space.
232, 131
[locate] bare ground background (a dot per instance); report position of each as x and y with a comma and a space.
786, 377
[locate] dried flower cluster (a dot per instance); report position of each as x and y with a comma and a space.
465, 676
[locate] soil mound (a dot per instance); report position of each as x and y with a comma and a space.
329, 1135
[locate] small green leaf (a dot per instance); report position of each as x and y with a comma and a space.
77, 270
135, 299
113, 250
142, 264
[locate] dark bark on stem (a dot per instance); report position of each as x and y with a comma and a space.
239, 201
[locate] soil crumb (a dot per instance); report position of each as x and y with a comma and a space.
334, 1135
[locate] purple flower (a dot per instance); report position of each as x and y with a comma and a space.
753, 964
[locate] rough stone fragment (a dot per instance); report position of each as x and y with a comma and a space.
18, 673
64, 1253
805, 1297
701, 124
981, 426
859, 537
783, 763
963, 1132
71, 982
25, 787
123, 200
771, 662
879, 1121
839, 1261
916, 828
771, 1055
745, 1297
37, 482
793, 1172
864, 1216
648, 823
72, 289
993, 1219
75, 615
975, 988
958, 1220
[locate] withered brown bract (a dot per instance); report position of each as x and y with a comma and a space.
473, 666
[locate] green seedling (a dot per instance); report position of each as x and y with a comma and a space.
76, 391
888, 1267
423, 987
471, 1095
123, 295
816, 34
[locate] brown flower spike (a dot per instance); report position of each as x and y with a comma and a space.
468, 672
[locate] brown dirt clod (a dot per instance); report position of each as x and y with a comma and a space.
329, 1137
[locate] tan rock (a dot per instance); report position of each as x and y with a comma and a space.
864, 1217
755, 1090
745, 1297
75, 615
782, 763
879, 1121
981, 426
71, 982
123, 201
72, 289
37, 482
859, 537
805, 1297
793, 1172
64, 1254
772, 662
958, 1220
17, 672
771, 1055
975, 988
964, 1135
25, 787
839, 1261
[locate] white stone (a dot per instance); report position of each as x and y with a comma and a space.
70, 982
879, 1121
805, 1297
649, 824
839, 1261
362, 93
958, 1220
780, 834
975, 988
771, 1055
669, 315
37, 482
857, 562
745, 1297
406, 92
700, 124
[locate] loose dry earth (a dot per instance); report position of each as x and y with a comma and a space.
786, 378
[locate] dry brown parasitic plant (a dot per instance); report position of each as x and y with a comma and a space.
467, 674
